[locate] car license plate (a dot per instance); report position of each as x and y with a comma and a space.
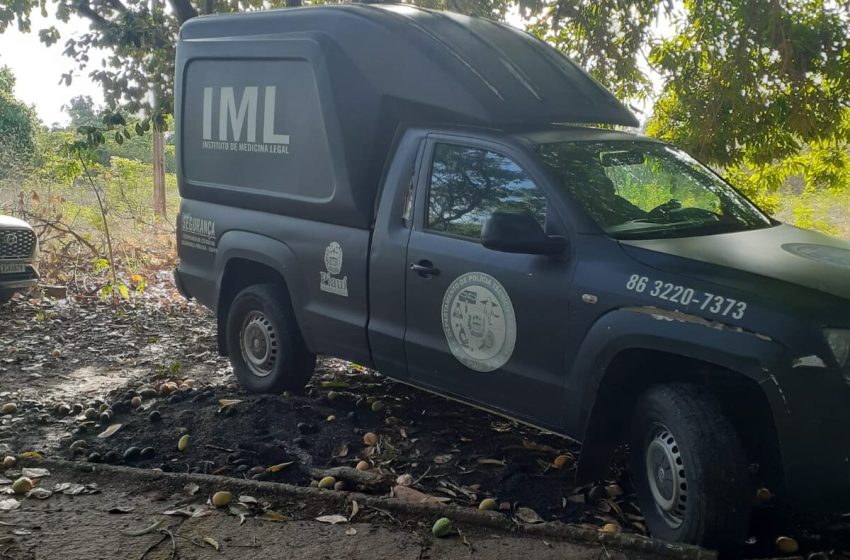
11, 268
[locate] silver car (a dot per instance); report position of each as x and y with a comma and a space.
18, 257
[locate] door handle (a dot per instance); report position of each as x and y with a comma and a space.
424, 268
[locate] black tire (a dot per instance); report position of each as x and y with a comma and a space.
261, 316
683, 424
5, 296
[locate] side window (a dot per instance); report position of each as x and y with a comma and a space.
468, 184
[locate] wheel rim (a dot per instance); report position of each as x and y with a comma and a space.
665, 470
258, 343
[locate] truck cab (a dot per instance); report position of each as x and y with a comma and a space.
386, 191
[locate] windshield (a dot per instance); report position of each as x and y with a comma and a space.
643, 190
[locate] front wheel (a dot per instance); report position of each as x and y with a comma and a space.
264, 342
689, 468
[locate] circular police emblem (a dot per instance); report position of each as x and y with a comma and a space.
479, 321
333, 258
835, 256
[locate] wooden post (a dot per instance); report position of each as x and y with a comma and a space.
158, 144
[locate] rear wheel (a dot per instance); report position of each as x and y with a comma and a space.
689, 468
265, 345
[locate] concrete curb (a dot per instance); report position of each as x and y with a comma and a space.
492, 520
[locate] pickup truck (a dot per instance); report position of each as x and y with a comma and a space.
398, 187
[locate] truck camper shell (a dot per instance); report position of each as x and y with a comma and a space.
294, 111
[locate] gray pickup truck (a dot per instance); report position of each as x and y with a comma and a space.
18, 257
423, 193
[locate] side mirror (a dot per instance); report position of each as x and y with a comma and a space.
514, 232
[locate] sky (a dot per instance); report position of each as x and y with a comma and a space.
38, 69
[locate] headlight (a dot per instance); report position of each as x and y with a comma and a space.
839, 341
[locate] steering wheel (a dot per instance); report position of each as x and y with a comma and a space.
663, 209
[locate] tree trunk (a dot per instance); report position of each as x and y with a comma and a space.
158, 173
158, 144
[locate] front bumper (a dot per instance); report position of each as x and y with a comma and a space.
20, 280
811, 409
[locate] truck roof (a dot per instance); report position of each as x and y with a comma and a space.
438, 64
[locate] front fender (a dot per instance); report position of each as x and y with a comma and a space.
650, 328
751, 354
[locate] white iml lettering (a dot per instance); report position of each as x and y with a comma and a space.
227, 111
269, 136
208, 93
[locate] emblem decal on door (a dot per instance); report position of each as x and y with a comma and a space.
479, 321
328, 282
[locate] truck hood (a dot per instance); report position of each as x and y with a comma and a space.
784, 253
10, 222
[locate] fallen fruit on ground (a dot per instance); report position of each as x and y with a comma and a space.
442, 528
91, 414
9, 408
221, 499
610, 528
136, 402
377, 406
8, 462
362, 466
183, 443
487, 504
370, 439
562, 461
787, 545
327, 482
22, 485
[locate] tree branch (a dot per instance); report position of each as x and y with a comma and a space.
183, 9
84, 9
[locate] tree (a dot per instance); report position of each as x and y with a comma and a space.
755, 81
19, 126
746, 82
82, 111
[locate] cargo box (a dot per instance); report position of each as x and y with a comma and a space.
294, 111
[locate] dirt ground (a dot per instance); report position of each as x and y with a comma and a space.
99, 526
63, 361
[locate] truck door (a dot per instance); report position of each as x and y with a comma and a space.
487, 326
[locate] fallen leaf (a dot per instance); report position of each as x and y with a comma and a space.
334, 385
278, 467
109, 431
274, 516
120, 509
34, 473
227, 403
32, 455
355, 507
485, 461
332, 519
443, 459
341, 451
9, 505
39, 493
191, 488
528, 515
247, 499
212, 542
413, 496
74, 489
